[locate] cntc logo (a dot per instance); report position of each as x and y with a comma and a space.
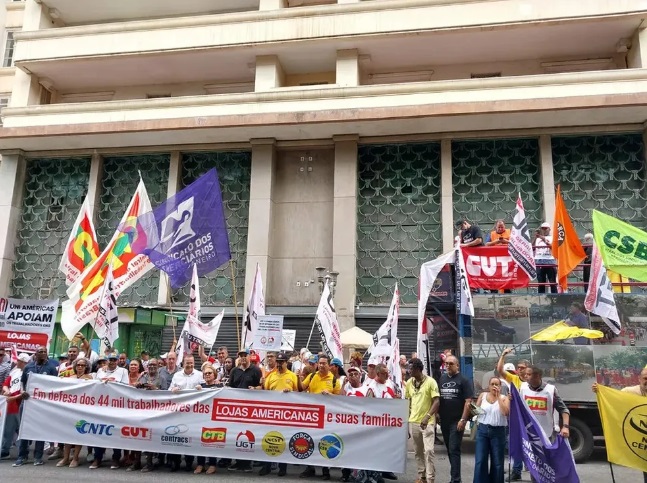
245, 441
85, 427
634, 430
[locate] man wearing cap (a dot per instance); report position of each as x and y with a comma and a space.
11, 390
546, 271
40, 365
371, 371
113, 373
470, 235
244, 376
283, 380
337, 368
422, 392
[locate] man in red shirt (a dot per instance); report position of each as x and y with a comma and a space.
11, 389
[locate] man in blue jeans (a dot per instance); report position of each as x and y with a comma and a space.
456, 394
41, 365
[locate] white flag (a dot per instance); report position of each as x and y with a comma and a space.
385, 337
520, 246
106, 325
395, 370
255, 307
195, 333
467, 307
428, 273
599, 297
326, 321
128, 267
193, 317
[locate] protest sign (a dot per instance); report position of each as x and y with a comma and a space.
26, 323
268, 333
288, 339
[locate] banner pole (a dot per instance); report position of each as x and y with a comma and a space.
613, 478
233, 290
311, 331
169, 302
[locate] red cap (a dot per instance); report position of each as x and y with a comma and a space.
253, 358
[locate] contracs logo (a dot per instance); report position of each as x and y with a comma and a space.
301, 446
273, 443
133, 432
213, 437
245, 441
536, 403
176, 435
271, 413
100, 429
634, 430
331, 446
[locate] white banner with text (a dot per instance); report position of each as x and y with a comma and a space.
297, 428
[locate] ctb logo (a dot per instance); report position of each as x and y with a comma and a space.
136, 433
213, 437
85, 427
245, 441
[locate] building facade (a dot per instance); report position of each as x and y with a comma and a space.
347, 134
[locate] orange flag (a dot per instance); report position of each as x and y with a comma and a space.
566, 248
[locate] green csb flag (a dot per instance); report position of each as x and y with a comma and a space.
623, 247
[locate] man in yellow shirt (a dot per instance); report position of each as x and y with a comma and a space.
424, 401
321, 382
280, 379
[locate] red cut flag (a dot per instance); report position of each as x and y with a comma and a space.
567, 248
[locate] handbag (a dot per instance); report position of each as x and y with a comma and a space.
475, 411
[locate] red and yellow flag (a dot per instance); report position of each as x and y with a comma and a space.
567, 248
82, 247
127, 267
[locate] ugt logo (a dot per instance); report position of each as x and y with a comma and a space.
245, 441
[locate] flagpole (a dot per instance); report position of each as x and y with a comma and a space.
103, 294
169, 302
233, 287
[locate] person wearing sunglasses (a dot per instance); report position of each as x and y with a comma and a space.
209, 375
40, 365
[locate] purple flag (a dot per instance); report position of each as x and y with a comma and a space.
547, 462
188, 228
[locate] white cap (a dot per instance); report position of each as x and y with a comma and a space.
509, 366
372, 361
545, 224
24, 357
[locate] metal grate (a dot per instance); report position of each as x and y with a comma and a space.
234, 171
54, 192
118, 183
606, 173
398, 218
488, 175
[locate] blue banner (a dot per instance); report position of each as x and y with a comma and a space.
188, 228
547, 462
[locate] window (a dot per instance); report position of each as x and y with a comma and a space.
8, 50
4, 102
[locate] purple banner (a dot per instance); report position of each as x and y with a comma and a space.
188, 228
547, 462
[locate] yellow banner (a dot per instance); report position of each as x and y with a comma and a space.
624, 422
561, 330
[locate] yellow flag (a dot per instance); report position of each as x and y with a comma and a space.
624, 422
561, 330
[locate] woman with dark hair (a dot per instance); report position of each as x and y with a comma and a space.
135, 369
133, 459
226, 372
491, 434
81, 368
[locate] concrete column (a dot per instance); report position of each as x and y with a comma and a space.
344, 245
261, 207
547, 177
13, 170
446, 195
637, 55
26, 90
173, 186
94, 185
36, 16
348, 68
272, 4
269, 73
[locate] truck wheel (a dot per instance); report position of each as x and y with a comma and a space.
581, 440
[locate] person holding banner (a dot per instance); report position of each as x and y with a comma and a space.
209, 374
11, 390
40, 365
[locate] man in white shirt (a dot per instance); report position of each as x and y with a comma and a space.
546, 271
113, 372
381, 387
189, 378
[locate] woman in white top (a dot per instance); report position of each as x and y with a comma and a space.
491, 434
